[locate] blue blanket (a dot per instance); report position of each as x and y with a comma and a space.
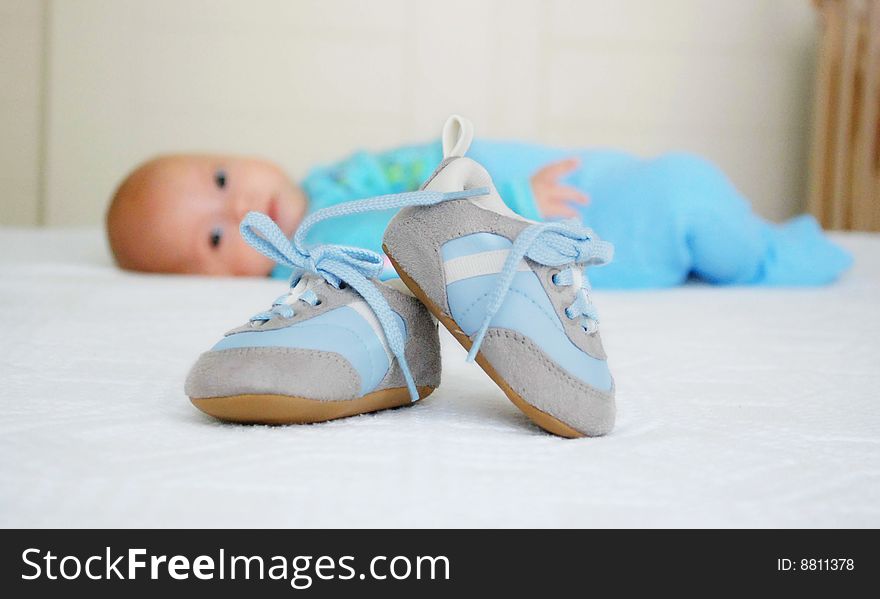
670, 218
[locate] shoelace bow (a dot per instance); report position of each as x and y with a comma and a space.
339, 265
562, 243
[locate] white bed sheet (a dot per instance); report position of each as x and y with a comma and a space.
737, 407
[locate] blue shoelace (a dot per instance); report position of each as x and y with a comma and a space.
339, 265
562, 243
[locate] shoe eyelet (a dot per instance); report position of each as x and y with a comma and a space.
343, 285
551, 276
318, 302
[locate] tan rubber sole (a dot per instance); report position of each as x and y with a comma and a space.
285, 409
543, 419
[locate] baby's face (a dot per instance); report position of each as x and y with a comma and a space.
182, 213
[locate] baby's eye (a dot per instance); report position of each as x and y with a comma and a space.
216, 236
220, 178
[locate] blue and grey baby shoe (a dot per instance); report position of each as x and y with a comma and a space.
512, 291
338, 343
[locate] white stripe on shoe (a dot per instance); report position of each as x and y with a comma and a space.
366, 312
476, 265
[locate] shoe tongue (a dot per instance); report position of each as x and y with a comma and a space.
305, 283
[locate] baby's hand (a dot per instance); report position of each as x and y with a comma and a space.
553, 197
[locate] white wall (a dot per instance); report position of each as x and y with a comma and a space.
307, 81
21, 105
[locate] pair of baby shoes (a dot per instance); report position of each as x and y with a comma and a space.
341, 342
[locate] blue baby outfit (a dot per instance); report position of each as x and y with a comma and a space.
668, 217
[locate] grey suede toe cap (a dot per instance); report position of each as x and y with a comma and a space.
542, 383
296, 372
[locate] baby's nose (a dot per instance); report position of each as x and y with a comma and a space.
239, 205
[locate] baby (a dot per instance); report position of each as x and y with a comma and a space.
670, 217
180, 214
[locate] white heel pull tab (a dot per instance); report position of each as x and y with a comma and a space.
458, 133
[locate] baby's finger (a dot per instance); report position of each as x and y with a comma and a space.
570, 194
559, 169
